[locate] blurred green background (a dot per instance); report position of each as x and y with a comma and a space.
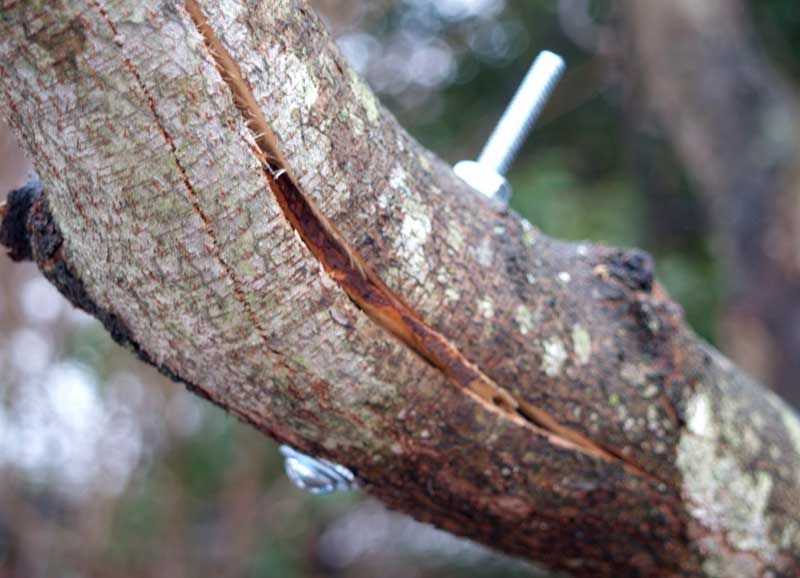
108, 470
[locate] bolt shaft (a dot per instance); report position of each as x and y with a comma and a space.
522, 112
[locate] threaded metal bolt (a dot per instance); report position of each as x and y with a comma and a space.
487, 174
523, 111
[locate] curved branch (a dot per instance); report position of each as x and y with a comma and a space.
229, 198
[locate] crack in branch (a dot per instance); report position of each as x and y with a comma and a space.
191, 193
362, 285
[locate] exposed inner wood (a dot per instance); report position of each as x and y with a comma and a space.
360, 282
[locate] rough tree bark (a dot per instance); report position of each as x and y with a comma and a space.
231, 201
734, 122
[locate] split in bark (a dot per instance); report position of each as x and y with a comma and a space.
226, 190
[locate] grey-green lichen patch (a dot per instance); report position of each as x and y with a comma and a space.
365, 97
484, 253
581, 344
790, 537
486, 307
452, 294
416, 227
294, 81
555, 354
455, 238
524, 318
650, 391
398, 180
137, 14
300, 80
724, 494
634, 374
528, 233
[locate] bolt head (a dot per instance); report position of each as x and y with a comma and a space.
315, 475
485, 180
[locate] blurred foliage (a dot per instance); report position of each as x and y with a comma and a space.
778, 22
203, 495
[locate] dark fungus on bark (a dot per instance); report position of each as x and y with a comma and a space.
13, 226
634, 268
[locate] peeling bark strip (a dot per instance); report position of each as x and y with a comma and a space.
656, 458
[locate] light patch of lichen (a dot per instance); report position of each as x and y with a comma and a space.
581, 344
415, 229
304, 142
555, 354
750, 439
724, 494
698, 415
364, 95
524, 319
486, 307
790, 537
455, 238
299, 80
398, 179
484, 254
634, 373
137, 14
528, 233
293, 79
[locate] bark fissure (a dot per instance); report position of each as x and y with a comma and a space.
593, 353
191, 193
362, 285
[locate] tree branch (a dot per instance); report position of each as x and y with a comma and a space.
232, 202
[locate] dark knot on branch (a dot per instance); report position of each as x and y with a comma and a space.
14, 231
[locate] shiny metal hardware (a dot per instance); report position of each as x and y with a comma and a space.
315, 475
488, 173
